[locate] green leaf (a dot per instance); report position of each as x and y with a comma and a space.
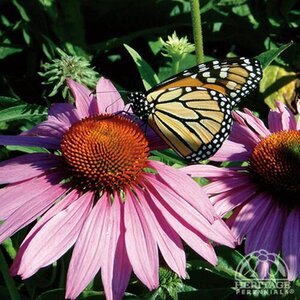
26, 149
8, 101
147, 74
205, 294
23, 111
21, 10
167, 156
267, 57
8, 50
26, 36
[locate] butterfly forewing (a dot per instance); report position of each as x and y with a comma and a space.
192, 110
234, 77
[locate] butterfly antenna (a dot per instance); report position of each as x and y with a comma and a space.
112, 104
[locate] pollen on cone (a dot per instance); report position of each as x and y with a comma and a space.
106, 152
276, 161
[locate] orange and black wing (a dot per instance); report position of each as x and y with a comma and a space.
234, 77
194, 121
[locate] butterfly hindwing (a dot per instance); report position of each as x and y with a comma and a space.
194, 121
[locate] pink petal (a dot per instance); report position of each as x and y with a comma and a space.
51, 241
166, 237
83, 98
231, 151
14, 196
180, 208
290, 243
226, 201
225, 184
27, 166
242, 134
53, 211
87, 255
192, 193
250, 214
108, 98
47, 129
196, 240
140, 244
116, 269
61, 205
61, 117
267, 235
281, 119
253, 122
63, 113
35, 205
208, 171
28, 141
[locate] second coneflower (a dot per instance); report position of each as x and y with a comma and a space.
264, 192
96, 189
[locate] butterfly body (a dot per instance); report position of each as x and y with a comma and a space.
192, 110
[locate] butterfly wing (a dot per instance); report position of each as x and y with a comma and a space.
191, 111
234, 77
194, 121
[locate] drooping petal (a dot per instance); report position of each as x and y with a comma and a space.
192, 193
291, 243
197, 241
27, 166
28, 141
87, 255
61, 205
54, 210
180, 208
108, 98
36, 204
116, 268
281, 119
225, 202
167, 239
140, 244
224, 184
14, 196
267, 235
83, 98
55, 238
250, 214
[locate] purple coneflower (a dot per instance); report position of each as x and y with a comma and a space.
264, 192
96, 189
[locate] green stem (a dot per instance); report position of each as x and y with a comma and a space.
175, 66
9, 282
197, 30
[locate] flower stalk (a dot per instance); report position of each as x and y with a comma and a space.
9, 282
197, 30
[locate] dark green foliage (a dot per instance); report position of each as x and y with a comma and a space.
33, 33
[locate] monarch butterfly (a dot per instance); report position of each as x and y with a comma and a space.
191, 111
